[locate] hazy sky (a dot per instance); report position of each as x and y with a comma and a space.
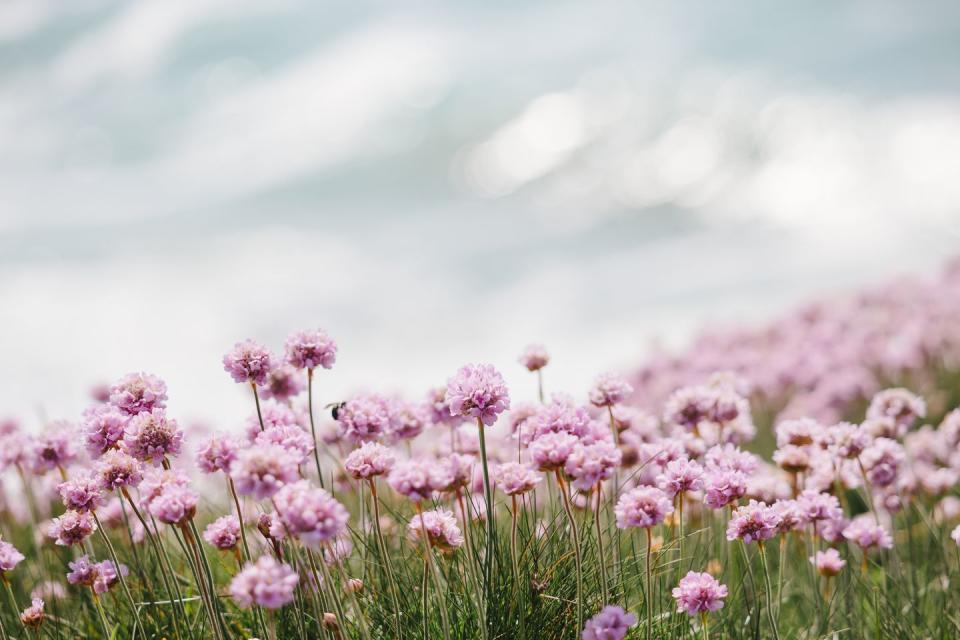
444, 182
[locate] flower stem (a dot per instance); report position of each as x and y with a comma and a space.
100, 613
256, 399
123, 580
313, 428
649, 606
603, 561
564, 491
769, 589
386, 556
491, 528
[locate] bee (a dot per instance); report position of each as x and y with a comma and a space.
335, 408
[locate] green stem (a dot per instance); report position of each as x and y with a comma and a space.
649, 606
123, 580
769, 590
256, 399
386, 555
575, 534
313, 428
101, 614
491, 528
604, 589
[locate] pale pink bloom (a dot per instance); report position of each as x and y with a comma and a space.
866, 534
223, 533
369, 460
754, 521
478, 392
612, 623
609, 389
900, 405
680, 476
310, 514
82, 493
815, 506
283, 383
551, 450
103, 429
723, 487
9, 556
32, 616
514, 478
292, 438
151, 437
71, 528
828, 563
249, 361
441, 529
417, 479
261, 470
365, 418
265, 583
591, 464
117, 469
882, 460
642, 507
534, 357
138, 392
216, 453
699, 593
310, 349
561, 415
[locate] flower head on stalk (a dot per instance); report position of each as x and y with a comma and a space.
338, 550
174, 505
53, 449
103, 429
138, 392
438, 409
151, 437
550, 451
455, 471
477, 391
107, 575
828, 563
409, 420
723, 487
609, 389
882, 460
899, 405
249, 361
753, 522
82, 493
9, 557
310, 349
591, 464
32, 616
680, 476
848, 440
71, 528
441, 529
514, 478
216, 453
642, 507
260, 471
699, 593
612, 623
534, 357
82, 571
290, 437
816, 506
265, 583
369, 460
866, 534
117, 469
416, 479
310, 514
282, 383
223, 533
365, 418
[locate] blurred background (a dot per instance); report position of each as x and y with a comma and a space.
440, 182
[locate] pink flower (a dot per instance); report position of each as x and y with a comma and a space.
456, 471
249, 361
106, 576
261, 470
103, 429
882, 460
223, 533
265, 583
754, 521
899, 405
175, 505
416, 479
216, 453
866, 534
32, 616
799, 433
514, 478
848, 440
9, 557
116, 469
534, 357
338, 550
816, 506
138, 392
690, 407
612, 623
591, 464
310, 349
441, 529
310, 514
609, 389
722, 487
792, 458
789, 516
408, 421
828, 563
369, 460
561, 415
292, 438
71, 528
438, 408
53, 449
83, 493
478, 391
283, 383
82, 571
551, 450
699, 593
365, 417
152, 437
642, 507
680, 476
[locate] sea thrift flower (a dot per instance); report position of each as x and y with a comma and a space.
534, 357
369, 460
106, 575
338, 551
560, 416
248, 361
265, 583
731, 457
52, 450
514, 478
816, 506
591, 464
223, 533
478, 391
900, 405
792, 458
408, 421
680, 476
789, 515
310, 513
551, 450
151, 437
9, 557
216, 453
799, 433
71, 528
699, 593
415, 479
81, 494
117, 469
82, 571
292, 438
32, 616
848, 440
455, 471
261, 470
828, 563
138, 392
642, 507
103, 430
175, 505
882, 460
612, 623
441, 529
310, 349
752, 522
439, 409
609, 389
866, 534
283, 383
157, 481
689, 407
723, 487
365, 417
